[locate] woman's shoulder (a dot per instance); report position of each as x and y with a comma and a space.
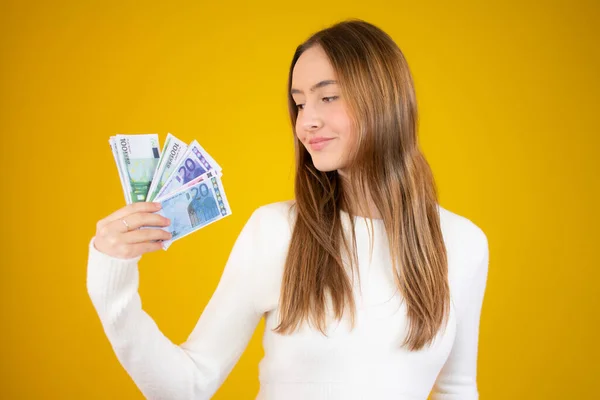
461, 232
466, 247
278, 215
272, 222
271, 231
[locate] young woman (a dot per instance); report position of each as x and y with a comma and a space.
369, 288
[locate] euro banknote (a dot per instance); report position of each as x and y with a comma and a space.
195, 206
172, 152
113, 146
195, 162
138, 156
186, 180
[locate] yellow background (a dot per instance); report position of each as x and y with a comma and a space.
509, 100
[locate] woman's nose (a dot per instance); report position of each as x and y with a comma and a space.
312, 125
310, 119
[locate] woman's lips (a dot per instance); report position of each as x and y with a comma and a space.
319, 143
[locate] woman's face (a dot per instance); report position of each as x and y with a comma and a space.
323, 125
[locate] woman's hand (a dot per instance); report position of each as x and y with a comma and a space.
118, 235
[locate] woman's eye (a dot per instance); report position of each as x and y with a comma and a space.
327, 100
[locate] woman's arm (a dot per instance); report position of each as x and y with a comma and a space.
195, 369
458, 378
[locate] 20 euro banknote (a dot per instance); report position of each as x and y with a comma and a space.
195, 162
194, 207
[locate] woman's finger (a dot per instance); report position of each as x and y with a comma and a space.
141, 207
145, 235
133, 222
137, 220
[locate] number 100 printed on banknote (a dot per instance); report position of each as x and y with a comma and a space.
136, 157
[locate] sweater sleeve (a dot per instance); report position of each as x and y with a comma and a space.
458, 378
196, 368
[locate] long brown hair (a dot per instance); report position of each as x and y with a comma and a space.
378, 89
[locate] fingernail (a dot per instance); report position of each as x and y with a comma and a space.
157, 205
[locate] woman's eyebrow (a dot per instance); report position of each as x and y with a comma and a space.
316, 86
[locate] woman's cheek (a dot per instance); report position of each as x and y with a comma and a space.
300, 136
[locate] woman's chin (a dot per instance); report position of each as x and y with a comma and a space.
325, 165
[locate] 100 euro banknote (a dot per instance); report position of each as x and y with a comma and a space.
113, 146
195, 162
194, 207
173, 150
137, 157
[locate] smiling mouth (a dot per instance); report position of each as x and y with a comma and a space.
319, 143
318, 140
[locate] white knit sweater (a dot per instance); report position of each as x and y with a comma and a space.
364, 363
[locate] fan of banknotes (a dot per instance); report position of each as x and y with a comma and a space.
184, 178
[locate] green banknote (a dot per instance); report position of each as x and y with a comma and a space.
138, 156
